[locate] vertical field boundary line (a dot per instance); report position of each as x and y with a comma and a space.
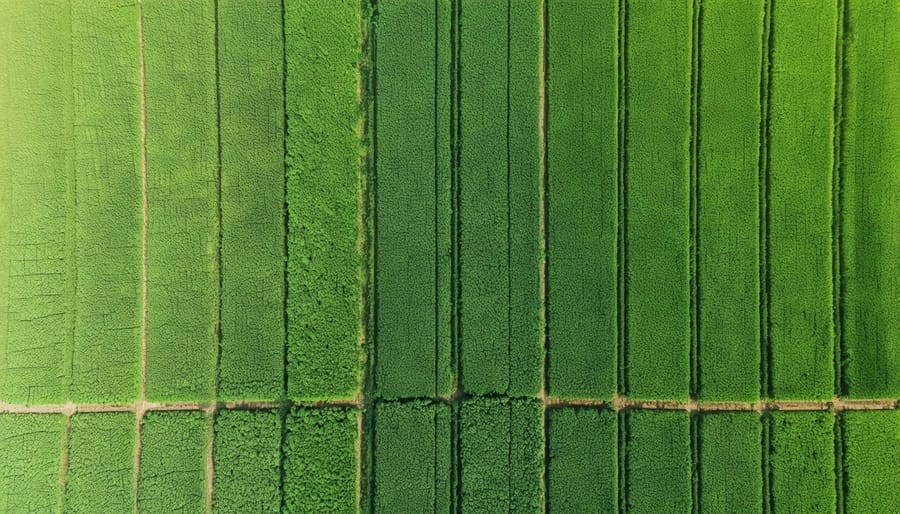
765, 368
694, 199
543, 70
622, 207
140, 407
837, 264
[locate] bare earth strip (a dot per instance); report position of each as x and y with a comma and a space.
139, 408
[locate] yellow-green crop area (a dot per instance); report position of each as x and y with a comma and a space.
449, 256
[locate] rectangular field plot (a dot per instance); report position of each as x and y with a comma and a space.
501, 455
251, 116
657, 461
182, 170
321, 459
100, 477
412, 458
31, 447
801, 461
582, 198
173, 462
412, 208
247, 453
582, 473
871, 461
728, 446
322, 52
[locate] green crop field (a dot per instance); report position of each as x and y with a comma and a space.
449, 256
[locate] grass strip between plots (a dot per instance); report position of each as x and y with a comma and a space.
323, 53
31, 447
729, 461
247, 463
657, 461
101, 463
173, 462
182, 171
801, 462
871, 461
582, 470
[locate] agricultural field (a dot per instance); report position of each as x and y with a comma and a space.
449, 256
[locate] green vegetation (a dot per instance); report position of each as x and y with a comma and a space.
730, 461
247, 463
499, 209
412, 458
582, 472
411, 200
582, 164
251, 112
320, 460
31, 446
657, 461
323, 143
657, 172
728, 200
870, 208
871, 461
801, 461
799, 200
173, 462
36, 169
182, 170
501, 455
101, 463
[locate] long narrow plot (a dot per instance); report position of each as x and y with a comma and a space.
501, 455
871, 461
801, 462
320, 452
101, 463
729, 457
728, 200
323, 144
870, 215
582, 150
412, 204
173, 462
800, 213
182, 172
499, 209
36, 198
412, 458
31, 447
251, 111
247, 453
582, 473
657, 223
657, 461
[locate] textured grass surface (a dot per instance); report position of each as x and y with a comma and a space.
657, 461
800, 214
582, 215
173, 462
323, 145
871, 200
412, 458
583, 461
182, 161
247, 461
657, 167
251, 113
101, 463
871, 461
728, 200
31, 446
801, 462
729, 453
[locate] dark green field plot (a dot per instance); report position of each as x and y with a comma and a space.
501, 456
100, 476
657, 461
247, 462
801, 461
412, 458
728, 453
582, 474
31, 447
173, 462
871, 461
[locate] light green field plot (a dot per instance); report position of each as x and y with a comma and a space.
182, 171
799, 200
582, 223
322, 47
501, 456
582, 475
728, 200
412, 458
729, 457
251, 112
870, 217
657, 176
413, 200
31, 446
801, 462
247, 453
320, 460
871, 461
657, 461
173, 462
100, 476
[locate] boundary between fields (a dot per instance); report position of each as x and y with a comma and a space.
140, 407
